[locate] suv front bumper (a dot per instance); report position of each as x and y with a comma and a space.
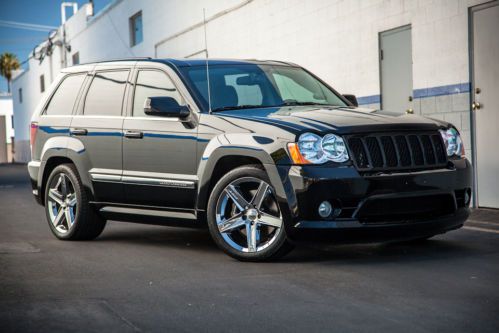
373, 208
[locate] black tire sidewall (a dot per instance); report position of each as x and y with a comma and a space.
267, 254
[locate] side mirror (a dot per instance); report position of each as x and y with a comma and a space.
352, 99
164, 106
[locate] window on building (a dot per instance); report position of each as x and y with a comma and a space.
136, 29
151, 83
12, 121
20, 95
76, 58
105, 95
63, 100
42, 83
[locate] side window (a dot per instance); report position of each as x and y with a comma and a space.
152, 83
105, 95
63, 100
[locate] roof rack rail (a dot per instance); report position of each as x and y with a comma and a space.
116, 59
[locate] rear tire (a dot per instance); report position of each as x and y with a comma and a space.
68, 211
248, 227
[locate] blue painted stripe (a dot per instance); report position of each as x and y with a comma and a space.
450, 89
369, 99
169, 136
104, 134
52, 130
442, 90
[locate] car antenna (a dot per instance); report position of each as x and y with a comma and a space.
207, 66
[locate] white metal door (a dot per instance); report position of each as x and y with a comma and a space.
396, 69
485, 95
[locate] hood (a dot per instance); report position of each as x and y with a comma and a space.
299, 119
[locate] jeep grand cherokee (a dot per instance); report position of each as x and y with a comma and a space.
264, 153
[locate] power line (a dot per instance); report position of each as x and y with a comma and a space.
26, 26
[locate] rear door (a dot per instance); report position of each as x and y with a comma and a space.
55, 119
159, 154
98, 125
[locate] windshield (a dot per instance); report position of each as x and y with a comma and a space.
252, 86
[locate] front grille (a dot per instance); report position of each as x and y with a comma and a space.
399, 151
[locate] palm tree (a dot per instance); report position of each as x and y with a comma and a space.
8, 63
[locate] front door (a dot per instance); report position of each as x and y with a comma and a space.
396, 69
485, 91
159, 153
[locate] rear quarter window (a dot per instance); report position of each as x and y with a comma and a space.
63, 100
105, 95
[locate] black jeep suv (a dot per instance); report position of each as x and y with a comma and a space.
263, 152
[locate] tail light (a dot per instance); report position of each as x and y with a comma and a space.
33, 130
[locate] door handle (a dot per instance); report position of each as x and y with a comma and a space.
78, 131
476, 106
409, 111
134, 134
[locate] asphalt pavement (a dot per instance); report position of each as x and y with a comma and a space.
140, 278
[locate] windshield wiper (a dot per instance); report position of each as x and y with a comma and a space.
293, 103
237, 107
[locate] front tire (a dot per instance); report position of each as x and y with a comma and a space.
244, 217
68, 211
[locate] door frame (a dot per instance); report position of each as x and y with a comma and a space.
471, 41
397, 29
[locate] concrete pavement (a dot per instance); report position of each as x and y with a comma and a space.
149, 278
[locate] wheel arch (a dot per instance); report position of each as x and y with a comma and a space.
60, 150
226, 158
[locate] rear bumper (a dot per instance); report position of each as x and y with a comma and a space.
34, 172
372, 208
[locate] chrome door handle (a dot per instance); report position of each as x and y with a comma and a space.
134, 134
409, 111
476, 106
78, 131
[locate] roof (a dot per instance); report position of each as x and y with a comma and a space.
195, 62
213, 62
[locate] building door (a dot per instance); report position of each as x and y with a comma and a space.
396, 69
485, 89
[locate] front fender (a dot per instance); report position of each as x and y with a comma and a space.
268, 151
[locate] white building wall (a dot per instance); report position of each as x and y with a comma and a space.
7, 110
336, 39
6, 130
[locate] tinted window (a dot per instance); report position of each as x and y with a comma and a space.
251, 85
105, 95
152, 83
64, 98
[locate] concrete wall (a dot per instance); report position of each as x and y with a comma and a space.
336, 39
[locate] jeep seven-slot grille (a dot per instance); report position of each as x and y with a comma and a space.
397, 151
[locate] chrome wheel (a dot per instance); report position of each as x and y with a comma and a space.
62, 203
247, 215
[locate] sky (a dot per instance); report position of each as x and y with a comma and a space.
45, 12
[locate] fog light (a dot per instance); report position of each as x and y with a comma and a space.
325, 209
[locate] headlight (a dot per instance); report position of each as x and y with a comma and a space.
453, 142
313, 149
